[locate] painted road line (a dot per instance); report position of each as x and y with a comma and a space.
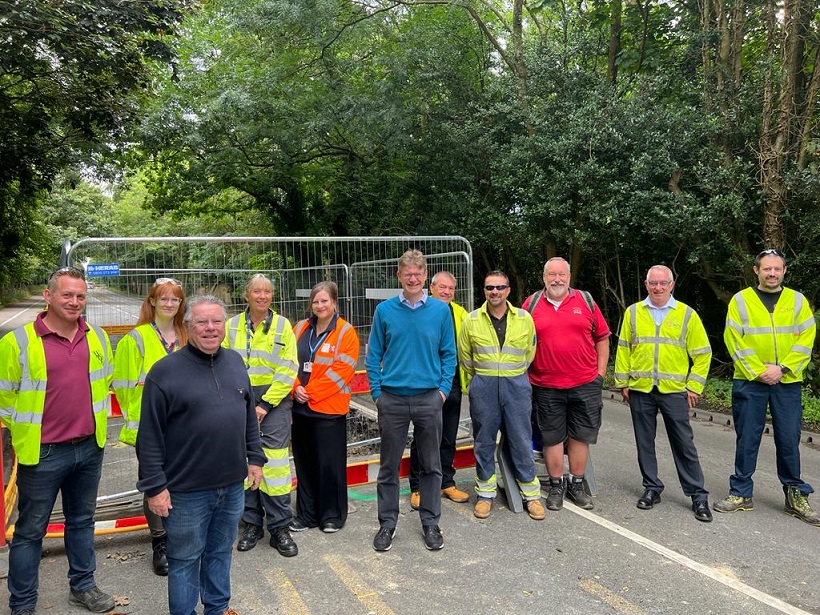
363, 592
608, 597
37, 308
707, 571
290, 601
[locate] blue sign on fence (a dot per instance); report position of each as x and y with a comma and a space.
102, 270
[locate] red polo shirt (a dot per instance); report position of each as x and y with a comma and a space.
68, 411
565, 354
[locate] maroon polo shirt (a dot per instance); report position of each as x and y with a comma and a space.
68, 411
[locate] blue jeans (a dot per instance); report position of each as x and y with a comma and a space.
74, 471
749, 402
201, 528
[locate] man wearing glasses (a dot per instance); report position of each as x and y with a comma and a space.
198, 442
411, 363
54, 379
660, 338
567, 377
495, 348
769, 333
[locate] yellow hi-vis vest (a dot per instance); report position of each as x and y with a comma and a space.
23, 380
755, 338
478, 349
659, 356
460, 314
136, 353
272, 360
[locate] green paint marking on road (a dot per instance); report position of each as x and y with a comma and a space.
369, 497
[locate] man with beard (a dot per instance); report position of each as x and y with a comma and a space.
567, 377
769, 332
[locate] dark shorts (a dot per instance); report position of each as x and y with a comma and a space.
569, 413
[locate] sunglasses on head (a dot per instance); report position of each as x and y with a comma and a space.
160, 281
771, 251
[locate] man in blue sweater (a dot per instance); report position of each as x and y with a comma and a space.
411, 363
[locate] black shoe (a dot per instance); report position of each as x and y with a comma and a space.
330, 527
384, 538
281, 541
92, 599
159, 561
433, 539
249, 535
648, 499
701, 510
297, 525
23, 612
578, 493
555, 498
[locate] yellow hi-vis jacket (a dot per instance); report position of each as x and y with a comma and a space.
459, 314
271, 357
23, 380
478, 349
756, 338
659, 356
136, 353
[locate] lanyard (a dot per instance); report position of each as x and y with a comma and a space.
314, 347
169, 348
249, 332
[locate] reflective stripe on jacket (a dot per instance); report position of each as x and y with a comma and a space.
136, 353
334, 365
659, 356
459, 314
478, 349
755, 338
272, 360
23, 380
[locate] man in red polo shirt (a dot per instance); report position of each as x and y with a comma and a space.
567, 375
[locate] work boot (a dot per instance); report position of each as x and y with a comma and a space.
415, 500
797, 505
734, 503
159, 561
555, 497
482, 508
281, 541
455, 494
578, 494
249, 535
535, 509
92, 599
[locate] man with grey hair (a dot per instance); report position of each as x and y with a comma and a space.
567, 378
198, 442
661, 365
443, 288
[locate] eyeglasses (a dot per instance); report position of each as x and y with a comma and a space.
71, 272
771, 251
445, 287
170, 300
202, 322
415, 276
160, 281
490, 287
663, 283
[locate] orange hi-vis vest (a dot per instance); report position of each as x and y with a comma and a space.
334, 365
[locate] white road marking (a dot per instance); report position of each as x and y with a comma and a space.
8, 320
707, 571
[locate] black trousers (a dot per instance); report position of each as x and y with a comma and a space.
674, 408
320, 457
450, 414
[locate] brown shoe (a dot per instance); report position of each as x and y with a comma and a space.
415, 500
230, 611
535, 509
482, 508
455, 494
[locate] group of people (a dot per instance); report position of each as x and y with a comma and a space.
212, 405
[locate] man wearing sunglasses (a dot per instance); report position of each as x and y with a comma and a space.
769, 333
660, 338
567, 377
495, 348
54, 379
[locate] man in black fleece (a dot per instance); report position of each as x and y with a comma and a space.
198, 442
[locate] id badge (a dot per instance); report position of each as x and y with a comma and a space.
307, 367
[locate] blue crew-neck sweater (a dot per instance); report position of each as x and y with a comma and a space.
411, 351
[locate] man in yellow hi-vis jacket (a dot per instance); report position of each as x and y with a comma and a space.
769, 334
659, 338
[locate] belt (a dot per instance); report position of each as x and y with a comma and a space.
77, 440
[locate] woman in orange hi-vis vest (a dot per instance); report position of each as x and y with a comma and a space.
328, 349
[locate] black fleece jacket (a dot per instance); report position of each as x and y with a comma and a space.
198, 427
